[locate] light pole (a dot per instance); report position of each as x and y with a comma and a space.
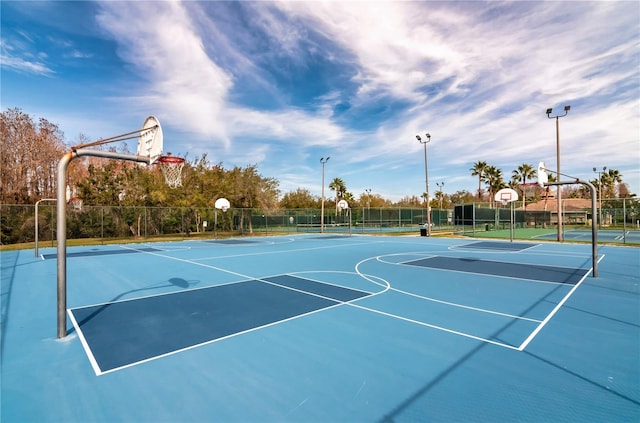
368, 191
600, 193
559, 191
426, 179
440, 186
323, 160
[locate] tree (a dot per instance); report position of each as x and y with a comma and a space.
301, 198
521, 175
407, 201
493, 180
440, 197
479, 168
461, 197
611, 180
624, 191
30, 153
340, 188
373, 200
102, 186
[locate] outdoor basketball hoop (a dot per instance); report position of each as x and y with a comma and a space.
150, 148
222, 204
343, 205
508, 196
171, 167
543, 177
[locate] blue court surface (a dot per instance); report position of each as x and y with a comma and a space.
606, 235
324, 328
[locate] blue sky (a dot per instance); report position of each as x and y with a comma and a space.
282, 84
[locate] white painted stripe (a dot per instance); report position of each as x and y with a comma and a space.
554, 311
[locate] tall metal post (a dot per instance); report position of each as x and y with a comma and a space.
559, 190
426, 180
36, 223
604, 168
323, 160
594, 227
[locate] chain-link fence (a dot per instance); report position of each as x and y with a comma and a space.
102, 223
611, 214
121, 223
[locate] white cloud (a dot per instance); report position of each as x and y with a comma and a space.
478, 76
22, 61
181, 80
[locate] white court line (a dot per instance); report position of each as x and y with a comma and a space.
247, 277
553, 312
283, 251
496, 250
94, 364
531, 253
418, 322
99, 371
482, 310
466, 335
379, 258
352, 304
296, 274
159, 247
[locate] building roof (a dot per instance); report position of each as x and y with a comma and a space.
568, 204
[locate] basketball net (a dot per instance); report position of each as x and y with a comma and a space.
171, 168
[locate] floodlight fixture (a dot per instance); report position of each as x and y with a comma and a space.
566, 110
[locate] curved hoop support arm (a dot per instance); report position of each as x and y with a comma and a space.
594, 212
61, 223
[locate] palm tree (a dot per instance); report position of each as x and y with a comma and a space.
340, 188
525, 171
493, 180
478, 169
610, 180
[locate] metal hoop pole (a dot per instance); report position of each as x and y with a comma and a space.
594, 226
36, 223
61, 223
115, 138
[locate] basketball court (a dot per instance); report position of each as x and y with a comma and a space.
323, 328
316, 327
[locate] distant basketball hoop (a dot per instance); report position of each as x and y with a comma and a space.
541, 173
222, 204
506, 195
171, 167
